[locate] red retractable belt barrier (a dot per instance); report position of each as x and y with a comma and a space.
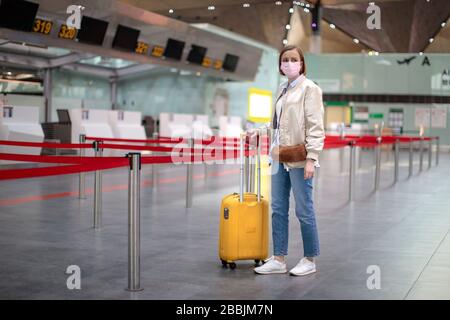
149, 141
214, 150
226, 142
336, 144
46, 144
53, 159
60, 170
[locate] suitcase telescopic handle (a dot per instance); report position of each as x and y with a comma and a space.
241, 167
258, 160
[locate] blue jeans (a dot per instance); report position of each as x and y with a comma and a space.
282, 182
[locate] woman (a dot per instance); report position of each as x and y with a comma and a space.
298, 119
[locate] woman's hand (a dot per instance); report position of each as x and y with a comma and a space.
252, 136
309, 169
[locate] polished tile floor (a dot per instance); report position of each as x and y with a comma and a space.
402, 231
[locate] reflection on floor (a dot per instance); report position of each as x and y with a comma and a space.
403, 229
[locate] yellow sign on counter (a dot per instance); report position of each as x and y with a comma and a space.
259, 105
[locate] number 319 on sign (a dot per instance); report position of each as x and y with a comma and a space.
42, 26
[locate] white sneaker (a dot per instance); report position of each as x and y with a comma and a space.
303, 268
271, 266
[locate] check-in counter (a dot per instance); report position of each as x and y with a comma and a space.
92, 123
230, 126
20, 123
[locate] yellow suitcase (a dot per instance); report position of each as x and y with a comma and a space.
244, 225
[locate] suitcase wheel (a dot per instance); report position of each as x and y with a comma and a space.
225, 264
257, 262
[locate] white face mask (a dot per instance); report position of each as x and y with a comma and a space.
291, 69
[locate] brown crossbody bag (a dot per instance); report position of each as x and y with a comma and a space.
285, 154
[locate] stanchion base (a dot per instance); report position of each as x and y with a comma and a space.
134, 290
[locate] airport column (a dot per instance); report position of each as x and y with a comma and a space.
48, 94
97, 189
113, 85
134, 222
316, 38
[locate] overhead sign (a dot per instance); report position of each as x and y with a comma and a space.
42, 26
207, 62
67, 33
157, 51
441, 81
142, 48
218, 64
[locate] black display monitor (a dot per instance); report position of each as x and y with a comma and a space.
125, 38
63, 115
18, 14
92, 31
230, 62
197, 54
174, 49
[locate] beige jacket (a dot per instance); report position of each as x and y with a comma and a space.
302, 119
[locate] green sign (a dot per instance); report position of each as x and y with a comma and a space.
336, 103
376, 116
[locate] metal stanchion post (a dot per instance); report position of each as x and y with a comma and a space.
421, 154
430, 152
352, 171
378, 164
396, 160
341, 129
189, 176
154, 176
411, 155
98, 189
205, 166
437, 150
134, 226
82, 176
